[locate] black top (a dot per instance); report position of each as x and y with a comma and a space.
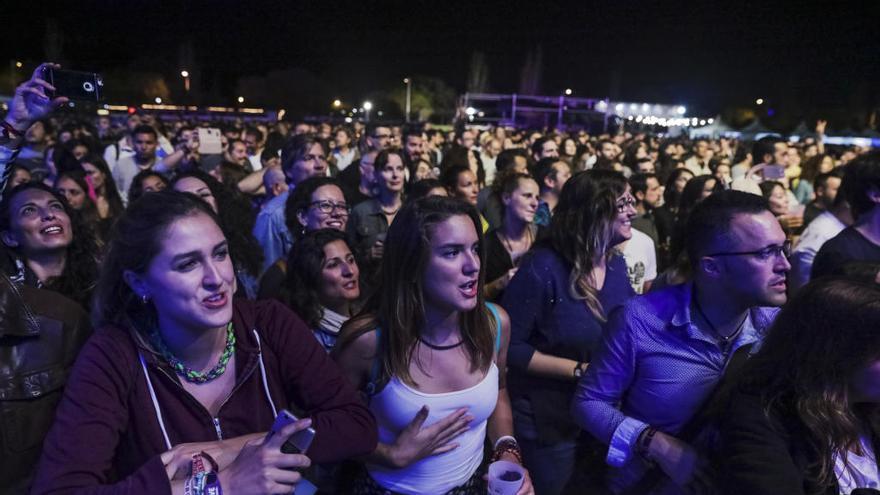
848, 246
498, 261
767, 453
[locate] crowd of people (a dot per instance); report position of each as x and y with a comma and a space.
622, 313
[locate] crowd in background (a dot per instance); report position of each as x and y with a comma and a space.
602, 309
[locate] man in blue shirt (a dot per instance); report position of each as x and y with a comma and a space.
665, 353
303, 156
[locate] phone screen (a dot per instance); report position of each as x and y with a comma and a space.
75, 85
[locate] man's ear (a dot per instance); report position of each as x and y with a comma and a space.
8, 239
873, 195
710, 266
136, 283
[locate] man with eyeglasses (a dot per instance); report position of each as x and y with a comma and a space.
645, 394
380, 138
303, 156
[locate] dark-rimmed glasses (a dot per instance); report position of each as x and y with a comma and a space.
762, 254
327, 207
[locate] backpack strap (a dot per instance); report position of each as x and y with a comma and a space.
493, 309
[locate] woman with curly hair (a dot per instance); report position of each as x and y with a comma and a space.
237, 221
805, 417
322, 283
50, 245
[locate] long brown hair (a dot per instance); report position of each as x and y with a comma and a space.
819, 341
137, 239
398, 307
582, 228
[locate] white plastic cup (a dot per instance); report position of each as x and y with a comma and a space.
505, 478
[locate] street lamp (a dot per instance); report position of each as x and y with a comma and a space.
408, 83
185, 75
759, 101
241, 99
18, 64
367, 107
567, 91
337, 103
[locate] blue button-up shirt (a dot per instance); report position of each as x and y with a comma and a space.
271, 232
655, 367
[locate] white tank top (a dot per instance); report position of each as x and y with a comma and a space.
395, 407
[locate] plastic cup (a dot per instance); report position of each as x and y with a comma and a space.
505, 478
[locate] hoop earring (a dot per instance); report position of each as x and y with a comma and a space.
145, 299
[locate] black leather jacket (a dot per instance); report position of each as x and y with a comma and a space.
40, 334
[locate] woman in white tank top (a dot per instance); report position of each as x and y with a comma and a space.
430, 356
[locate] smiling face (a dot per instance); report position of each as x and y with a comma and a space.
453, 268
38, 223
328, 197
191, 280
339, 276
626, 210
198, 187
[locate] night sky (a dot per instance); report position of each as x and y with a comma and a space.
801, 56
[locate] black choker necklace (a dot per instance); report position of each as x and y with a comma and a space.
441, 347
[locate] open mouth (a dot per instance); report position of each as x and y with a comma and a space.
352, 285
469, 289
52, 230
215, 300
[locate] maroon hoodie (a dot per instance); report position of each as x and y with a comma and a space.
107, 438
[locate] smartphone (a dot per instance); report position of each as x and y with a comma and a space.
209, 141
773, 172
83, 86
299, 442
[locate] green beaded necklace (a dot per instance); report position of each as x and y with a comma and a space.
189, 374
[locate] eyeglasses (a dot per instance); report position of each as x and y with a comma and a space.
327, 207
310, 157
763, 254
383, 136
624, 203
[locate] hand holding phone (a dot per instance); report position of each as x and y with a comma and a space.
75, 85
299, 442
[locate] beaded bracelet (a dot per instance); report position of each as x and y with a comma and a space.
507, 446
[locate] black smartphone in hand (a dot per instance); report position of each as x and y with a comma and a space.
76, 85
299, 442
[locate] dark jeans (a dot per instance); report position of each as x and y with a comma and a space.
550, 465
